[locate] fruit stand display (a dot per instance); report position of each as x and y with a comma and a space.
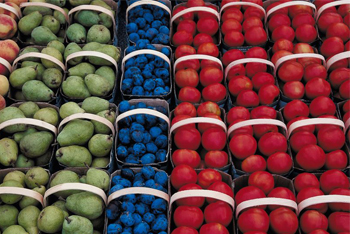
245, 104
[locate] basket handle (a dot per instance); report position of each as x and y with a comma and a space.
24, 192
194, 9
142, 111
244, 4
11, 9
292, 3
47, 5
95, 54
323, 199
38, 55
146, 2
198, 120
6, 64
28, 121
328, 5
336, 58
152, 52
248, 60
197, 56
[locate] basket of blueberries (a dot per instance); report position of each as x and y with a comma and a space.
138, 201
143, 130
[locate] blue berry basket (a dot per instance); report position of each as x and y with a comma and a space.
271, 68
32, 123
217, 36
137, 190
316, 121
23, 39
88, 116
157, 54
282, 128
165, 8
126, 117
244, 47
111, 13
198, 120
204, 193
55, 99
50, 195
108, 61
197, 57
279, 181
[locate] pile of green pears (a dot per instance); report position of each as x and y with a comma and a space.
90, 75
40, 25
37, 79
75, 211
26, 145
86, 142
19, 214
91, 26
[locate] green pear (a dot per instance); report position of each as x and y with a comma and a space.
15, 229
102, 128
62, 206
86, 204
100, 162
29, 22
76, 132
100, 3
64, 176
41, 9
94, 105
50, 219
79, 2
70, 108
28, 217
51, 23
83, 179
44, 159
9, 113
48, 115
29, 109
57, 45
92, 46
60, 3
8, 216
37, 91
21, 75
38, 66
70, 49
98, 178
8, 152
28, 201
42, 36
107, 73
77, 224
35, 177
54, 53
106, 49
74, 156
15, 175
52, 78
76, 33
74, 87
23, 162
88, 18
100, 145
59, 16
19, 96
98, 33
30, 49
82, 70
10, 198
106, 20
36, 144
97, 85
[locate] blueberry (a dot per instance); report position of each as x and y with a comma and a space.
156, 24
159, 62
141, 105
138, 177
141, 208
142, 44
158, 13
141, 22
160, 224
166, 51
159, 82
149, 67
148, 17
151, 47
137, 127
140, 118
149, 217
151, 33
130, 49
115, 188
132, 159
128, 206
147, 172
151, 148
163, 38
151, 119
139, 149
130, 198
127, 229
125, 182
137, 136
127, 173
122, 152
138, 183
163, 125
129, 63
161, 178
147, 199
124, 106
146, 138
112, 211
126, 219
137, 218
134, 37
155, 132
161, 72
114, 228
155, 40
161, 155
149, 85
147, 74
137, 90
141, 33
161, 141
124, 136
141, 228
130, 72
148, 159
131, 28
127, 85
159, 206
165, 30
141, 61
150, 183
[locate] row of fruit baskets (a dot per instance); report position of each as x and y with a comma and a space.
182, 117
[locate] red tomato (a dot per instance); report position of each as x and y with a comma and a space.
189, 216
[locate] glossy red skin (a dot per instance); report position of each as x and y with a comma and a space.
187, 77
312, 192
191, 201
293, 90
283, 32
302, 18
202, 38
263, 112
336, 160
279, 54
308, 128
242, 130
332, 46
253, 11
268, 93
262, 78
232, 13
260, 130
322, 106
291, 71
317, 87
295, 109
194, 3
237, 112
256, 52
231, 55
237, 70
314, 70
216, 159
297, 9
182, 175
255, 36
262, 180
234, 39
207, 177
278, 20
189, 94
187, 139
311, 220
193, 63
283, 220
182, 38
327, 19
179, 118
340, 206
188, 26
271, 143
340, 30
282, 44
184, 230
252, 22
248, 98
254, 219
333, 179
311, 157
248, 193
338, 76
253, 68
185, 108
344, 90
299, 139
208, 48
185, 16
184, 50
222, 187
231, 25
239, 83
214, 139
185, 156
281, 192
210, 75
189, 216
330, 138
218, 212
306, 33
202, 14
214, 92
339, 222
208, 107
279, 163
242, 146
213, 228
208, 25
253, 163
319, 231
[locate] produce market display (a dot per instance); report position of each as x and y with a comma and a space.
174, 117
